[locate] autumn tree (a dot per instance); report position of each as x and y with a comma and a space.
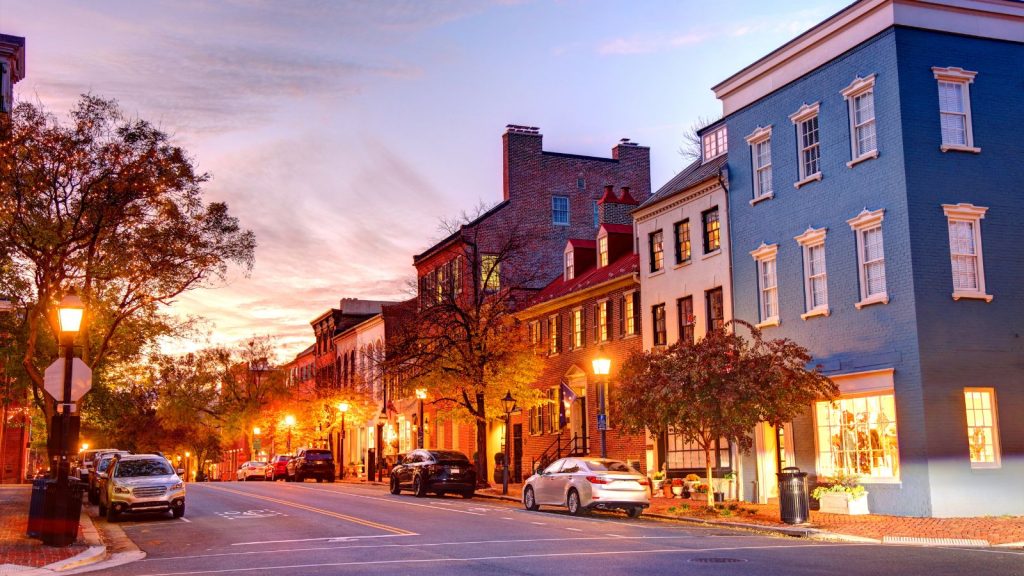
719, 387
109, 205
464, 345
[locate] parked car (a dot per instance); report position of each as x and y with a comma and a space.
437, 471
86, 460
311, 463
252, 470
142, 483
585, 484
98, 473
278, 467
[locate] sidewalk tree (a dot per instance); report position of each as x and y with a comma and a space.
464, 345
111, 206
719, 387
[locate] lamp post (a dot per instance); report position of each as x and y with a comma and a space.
602, 365
69, 316
382, 419
188, 456
508, 404
289, 421
256, 443
343, 408
421, 395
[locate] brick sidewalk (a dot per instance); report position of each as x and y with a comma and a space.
15, 546
996, 530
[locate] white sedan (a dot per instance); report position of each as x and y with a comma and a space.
585, 484
253, 469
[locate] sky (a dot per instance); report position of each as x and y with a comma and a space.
342, 132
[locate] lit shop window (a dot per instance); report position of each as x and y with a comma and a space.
857, 436
982, 430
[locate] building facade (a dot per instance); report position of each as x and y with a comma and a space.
873, 176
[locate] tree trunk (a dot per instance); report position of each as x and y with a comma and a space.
481, 442
707, 463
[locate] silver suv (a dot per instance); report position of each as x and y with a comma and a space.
142, 483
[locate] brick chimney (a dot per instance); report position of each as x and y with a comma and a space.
522, 145
612, 209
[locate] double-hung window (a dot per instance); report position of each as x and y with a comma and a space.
535, 332
630, 313
570, 265
715, 143
715, 308
603, 311
712, 230
554, 335
684, 308
860, 99
982, 427
812, 243
658, 324
760, 141
964, 222
560, 210
657, 252
765, 256
490, 273
578, 329
682, 237
870, 257
808, 148
955, 108
602, 251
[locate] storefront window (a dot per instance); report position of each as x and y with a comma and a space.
683, 455
857, 436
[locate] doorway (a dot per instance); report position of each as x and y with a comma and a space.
517, 453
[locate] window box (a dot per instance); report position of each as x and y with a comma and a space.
843, 503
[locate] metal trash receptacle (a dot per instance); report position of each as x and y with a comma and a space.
794, 505
62, 510
36, 507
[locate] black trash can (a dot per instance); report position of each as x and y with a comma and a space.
794, 505
62, 509
36, 507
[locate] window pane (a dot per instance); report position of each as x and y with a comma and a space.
560, 209
858, 436
954, 129
951, 97
981, 430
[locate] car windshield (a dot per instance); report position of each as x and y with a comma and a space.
609, 466
133, 468
318, 455
104, 464
257, 463
449, 457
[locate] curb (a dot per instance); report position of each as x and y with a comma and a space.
96, 552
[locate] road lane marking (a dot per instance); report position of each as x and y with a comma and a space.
322, 539
507, 518
615, 535
183, 519
353, 519
396, 501
363, 562
575, 529
539, 523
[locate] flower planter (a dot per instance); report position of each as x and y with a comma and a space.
842, 503
677, 490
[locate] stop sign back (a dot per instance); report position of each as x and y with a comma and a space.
81, 380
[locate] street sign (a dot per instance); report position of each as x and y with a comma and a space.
602, 421
81, 379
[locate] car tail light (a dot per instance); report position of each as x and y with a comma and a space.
598, 480
643, 482
435, 469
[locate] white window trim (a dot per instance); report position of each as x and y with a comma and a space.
964, 212
601, 304
760, 135
806, 112
570, 270
863, 221
998, 463
568, 210
966, 78
764, 253
603, 236
572, 328
712, 134
858, 87
811, 238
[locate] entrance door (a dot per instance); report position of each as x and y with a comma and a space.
517, 453
578, 422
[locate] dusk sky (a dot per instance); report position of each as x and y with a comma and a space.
342, 132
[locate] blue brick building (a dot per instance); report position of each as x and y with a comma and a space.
876, 186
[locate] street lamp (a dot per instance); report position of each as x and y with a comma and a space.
343, 408
602, 365
508, 404
256, 443
421, 394
289, 421
188, 455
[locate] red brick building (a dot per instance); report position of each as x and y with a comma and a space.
592, 309
548, 199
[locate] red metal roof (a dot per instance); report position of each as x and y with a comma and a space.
578, 243
618, 228
626, 265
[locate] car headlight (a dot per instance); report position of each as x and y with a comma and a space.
121, 489
176, 486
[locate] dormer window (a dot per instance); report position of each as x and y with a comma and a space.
570, 267
602, 251
714, 143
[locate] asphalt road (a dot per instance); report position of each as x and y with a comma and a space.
312, 529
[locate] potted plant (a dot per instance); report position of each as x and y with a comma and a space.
730, 477
692, 480
677, 487
842, 494
657, 481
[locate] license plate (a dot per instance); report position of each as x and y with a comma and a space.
454, 470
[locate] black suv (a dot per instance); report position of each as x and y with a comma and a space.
311, 463
437, 471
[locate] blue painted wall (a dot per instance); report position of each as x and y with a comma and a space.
936, 346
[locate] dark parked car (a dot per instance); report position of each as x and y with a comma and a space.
278, 467
438, 471
311, 463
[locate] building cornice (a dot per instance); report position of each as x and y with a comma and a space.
678, 199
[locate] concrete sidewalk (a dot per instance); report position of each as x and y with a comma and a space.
24, 556
1006, 531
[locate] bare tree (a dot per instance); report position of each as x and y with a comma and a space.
690, 149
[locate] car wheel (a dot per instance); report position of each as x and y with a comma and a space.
395, 488
634, 512
330, 479
178, 512
573, 503
468, 494
530, 500
112, 514
419, 489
